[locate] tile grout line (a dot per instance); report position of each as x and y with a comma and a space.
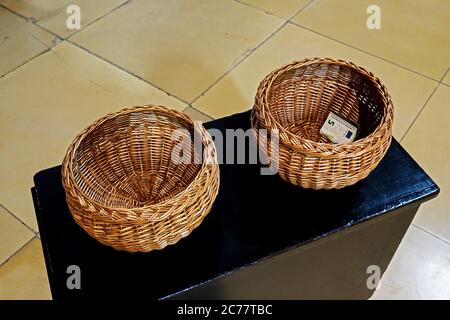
27, 20
30, 20
273, 14
424, 106
303, 8
430, 233
249, 54
363, 51
445, 74
35, 21
24, 63
259, 9
443, 77
125, 70
16, 13
239, 61
201, 112
101, 17
17, 251
418, 113
189, 104
121, 68
40, 41
58, 37
18, 219
85, 49
417, 116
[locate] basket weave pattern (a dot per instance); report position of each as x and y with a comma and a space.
123, 188
297, 98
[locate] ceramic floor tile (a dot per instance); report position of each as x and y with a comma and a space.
429, 144
20, 41
419, 269
90, 11
13, 235
197, 115
66, 90
180, 46
413, 33
236, 91
25, 275
35, 10
281, 8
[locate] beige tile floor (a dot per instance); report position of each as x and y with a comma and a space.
207, 58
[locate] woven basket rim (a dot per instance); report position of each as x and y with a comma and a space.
209, 158
327, 149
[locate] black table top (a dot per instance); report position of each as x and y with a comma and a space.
254, 217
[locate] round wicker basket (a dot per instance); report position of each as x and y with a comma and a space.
297, 98
123, 187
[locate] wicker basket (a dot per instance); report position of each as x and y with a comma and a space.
297, 98
123, 187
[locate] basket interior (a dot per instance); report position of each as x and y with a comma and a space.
126, 161
301, 99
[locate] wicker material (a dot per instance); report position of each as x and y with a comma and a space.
297, 98
123, 187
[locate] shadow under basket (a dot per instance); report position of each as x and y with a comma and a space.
124, 185
297, 98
